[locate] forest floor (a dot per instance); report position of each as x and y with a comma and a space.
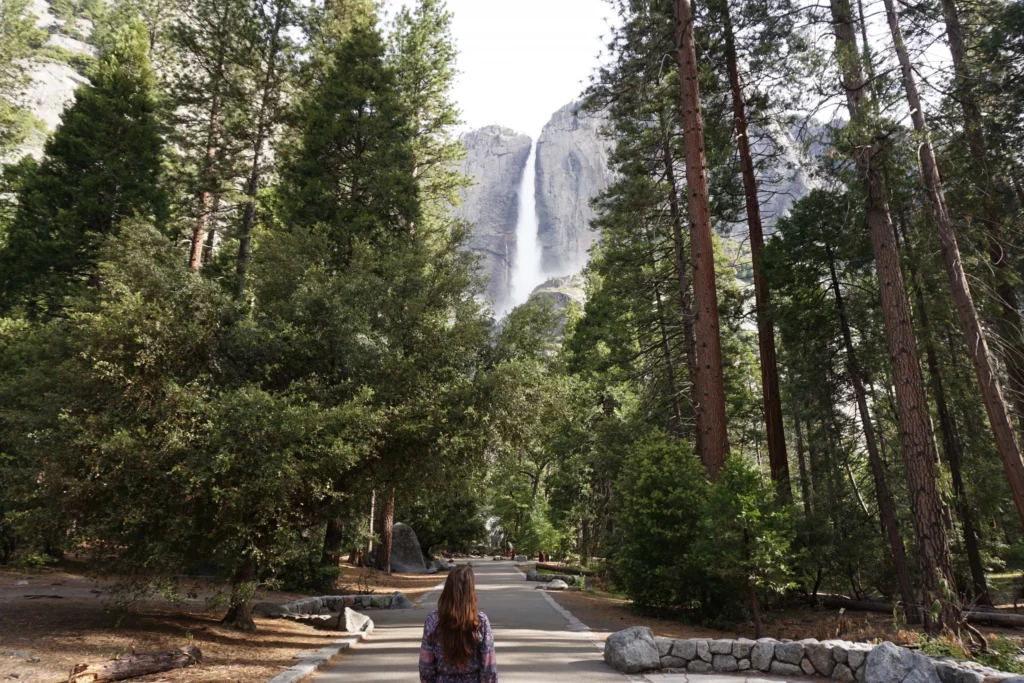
61, 617
606, 613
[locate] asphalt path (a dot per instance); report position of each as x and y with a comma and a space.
535, 640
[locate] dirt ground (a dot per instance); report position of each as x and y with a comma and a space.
605, 614
52, 619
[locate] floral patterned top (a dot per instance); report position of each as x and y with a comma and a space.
482, 668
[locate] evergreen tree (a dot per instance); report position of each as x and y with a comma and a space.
102, 165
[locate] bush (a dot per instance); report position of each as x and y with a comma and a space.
662, 495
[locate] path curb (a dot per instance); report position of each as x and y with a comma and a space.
320, 659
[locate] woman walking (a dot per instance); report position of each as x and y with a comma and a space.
458, 646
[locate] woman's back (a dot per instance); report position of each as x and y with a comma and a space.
435, 667
458, 645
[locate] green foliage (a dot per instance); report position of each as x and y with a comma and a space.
102, 166
662, 498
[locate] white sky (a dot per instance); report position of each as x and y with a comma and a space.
522, 60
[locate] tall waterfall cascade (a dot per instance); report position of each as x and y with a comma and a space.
526, 274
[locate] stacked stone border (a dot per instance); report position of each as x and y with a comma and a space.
637, 650
330, 604
320, 659
534, 575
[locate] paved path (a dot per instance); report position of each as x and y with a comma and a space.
535, 639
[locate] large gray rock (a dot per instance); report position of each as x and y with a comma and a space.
888, 663
790, 653
495, 161
820, 655
556, 585
270, 610
355, 622
572, 169
632, 651
762, 653
406, 554
400, 601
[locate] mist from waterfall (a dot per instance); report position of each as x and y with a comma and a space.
526, 273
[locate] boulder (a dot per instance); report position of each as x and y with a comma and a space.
556, 585
699, 666
724, 663
531, 575
673, 662
761, 654
406, 554
786, 669
632, 651
521, 558
742, 647
720, 647
888, 663
842, 673
380, 602
820, 655
703, 650
789, 653
355, 622
399, 601
664, 646
687, 649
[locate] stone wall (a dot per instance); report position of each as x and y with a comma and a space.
330, 604
636, 649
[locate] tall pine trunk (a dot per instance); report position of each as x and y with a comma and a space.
268, 103
770, 391
999, 195
951, 443
208, 181
886, 507
682, 268
805, 482
919, 454
709, 379
386, 533
974, 334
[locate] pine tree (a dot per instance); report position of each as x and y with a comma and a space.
710, 389
102, 165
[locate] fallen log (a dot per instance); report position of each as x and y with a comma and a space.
985, 617
135, 665
564, 570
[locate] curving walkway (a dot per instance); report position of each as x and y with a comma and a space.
535, 640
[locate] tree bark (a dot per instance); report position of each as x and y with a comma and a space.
775, 432
805, 482
207, 196
683, 277
999, 193
950, 439
709, 379
268, 101
332, 546
974, 333
886, 507
373, 513
912, 407
136, 665
387, 533
243, 588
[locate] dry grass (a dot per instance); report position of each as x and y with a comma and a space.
41, 638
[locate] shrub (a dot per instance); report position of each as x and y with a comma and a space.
662, 494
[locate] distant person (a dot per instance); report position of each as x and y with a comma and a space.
458, 645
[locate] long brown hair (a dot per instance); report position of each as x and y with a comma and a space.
457, 619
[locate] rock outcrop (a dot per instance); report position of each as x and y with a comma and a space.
52, 82
572, 168
406, 554
632, 651
495, 161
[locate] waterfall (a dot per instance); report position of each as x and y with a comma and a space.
526, 274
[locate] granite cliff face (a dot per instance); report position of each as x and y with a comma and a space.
572, 169
53, 82
495, 161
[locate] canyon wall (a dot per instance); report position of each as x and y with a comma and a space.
495, 161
